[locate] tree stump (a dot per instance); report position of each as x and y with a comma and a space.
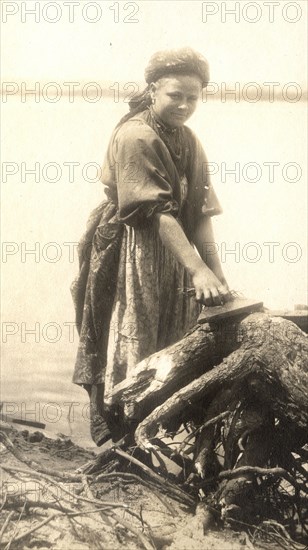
242, 387
258, 347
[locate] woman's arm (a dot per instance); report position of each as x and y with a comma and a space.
209, 289
205, 243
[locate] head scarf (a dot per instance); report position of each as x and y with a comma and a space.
183, 61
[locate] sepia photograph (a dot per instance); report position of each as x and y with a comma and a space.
154, 309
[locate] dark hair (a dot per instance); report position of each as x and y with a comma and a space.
137, 104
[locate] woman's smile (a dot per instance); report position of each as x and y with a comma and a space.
175, 98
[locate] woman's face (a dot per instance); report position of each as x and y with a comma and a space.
175, 98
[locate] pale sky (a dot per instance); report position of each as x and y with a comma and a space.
239, 50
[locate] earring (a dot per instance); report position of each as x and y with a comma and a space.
153, 100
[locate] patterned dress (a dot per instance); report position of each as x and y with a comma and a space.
128, 297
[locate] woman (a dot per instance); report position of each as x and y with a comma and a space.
139, 252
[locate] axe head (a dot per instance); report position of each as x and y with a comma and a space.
235, 306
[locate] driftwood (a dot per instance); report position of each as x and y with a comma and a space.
236, 396
270, 366
272, 347
242, 389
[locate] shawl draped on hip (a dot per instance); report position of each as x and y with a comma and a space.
93, 291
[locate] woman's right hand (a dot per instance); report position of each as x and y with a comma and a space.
209, 290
